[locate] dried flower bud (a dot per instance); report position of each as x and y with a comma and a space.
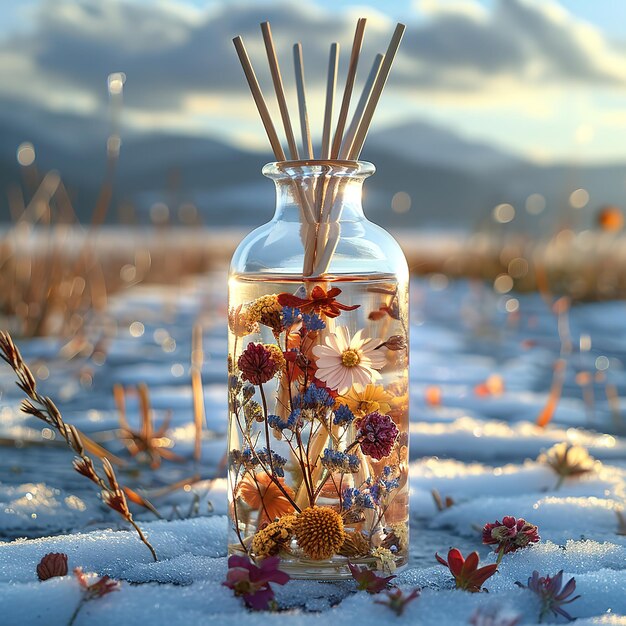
52, 565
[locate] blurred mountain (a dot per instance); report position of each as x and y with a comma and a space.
452, 182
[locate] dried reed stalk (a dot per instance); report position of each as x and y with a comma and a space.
298, 63
331, 85
43, 408
199, 416
347, 91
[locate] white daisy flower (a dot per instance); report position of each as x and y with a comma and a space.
346, 362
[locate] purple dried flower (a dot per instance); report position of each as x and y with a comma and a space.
368, 580
397, 601
552, 597
252, 582
376, 433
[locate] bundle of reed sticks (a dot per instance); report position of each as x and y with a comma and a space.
320, 208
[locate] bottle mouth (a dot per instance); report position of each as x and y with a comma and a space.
318, 167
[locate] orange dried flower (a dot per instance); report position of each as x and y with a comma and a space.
261, 492
319, 532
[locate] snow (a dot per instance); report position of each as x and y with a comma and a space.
479, 450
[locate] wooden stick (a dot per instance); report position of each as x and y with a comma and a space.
331, 85
347, 92
348, 139
298, 62
381, 79
278, 87
259, 100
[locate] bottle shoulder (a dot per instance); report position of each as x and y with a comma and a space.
277, 247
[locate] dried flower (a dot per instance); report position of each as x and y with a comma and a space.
252, 582
333, 460
371, 398
258, 364
376, 433
509, 535
261, 492
313, 322
397, 536
467, 574
51, 565
384, 559
355, 544
568, 460
101, 587
346, 361
343, 416
240, 322
549, 590
368, 580
395, 343
267, 311
321, 302
319, 532
397, 601
275, 537
277, 355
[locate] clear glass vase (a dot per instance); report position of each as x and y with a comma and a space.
318, 380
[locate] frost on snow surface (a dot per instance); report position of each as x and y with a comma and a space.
478, 449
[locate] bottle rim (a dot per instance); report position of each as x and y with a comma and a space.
314, 167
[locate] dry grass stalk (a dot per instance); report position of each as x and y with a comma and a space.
44, 408
197, 390
146, 442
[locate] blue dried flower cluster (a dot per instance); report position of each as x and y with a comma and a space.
343, 416
290, 316
371, 493
313, 322
334, 460
278, 423
278, 461
314, 398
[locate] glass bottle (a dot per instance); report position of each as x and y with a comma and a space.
318, 380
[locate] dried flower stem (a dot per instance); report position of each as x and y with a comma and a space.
44, 409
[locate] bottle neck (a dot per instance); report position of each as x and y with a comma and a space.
319, 191
319, 199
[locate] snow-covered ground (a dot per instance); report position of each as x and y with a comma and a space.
482, 368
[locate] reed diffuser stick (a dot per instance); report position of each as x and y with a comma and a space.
377, 91
259, 100
347, 92
331, 85
348, 139
280, 90
298, 63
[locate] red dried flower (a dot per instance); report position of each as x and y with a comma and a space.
376, 433
252, 582
257, 364
510, 534
368, 580
100, 588
52, 565
321, 302
467, 574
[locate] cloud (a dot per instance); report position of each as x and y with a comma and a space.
177, 58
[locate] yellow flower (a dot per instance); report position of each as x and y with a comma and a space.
277, 356
372, 398
275, 537
266, 310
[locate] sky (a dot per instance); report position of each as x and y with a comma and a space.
541, 79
